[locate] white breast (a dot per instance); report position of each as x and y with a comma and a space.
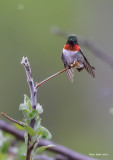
69, 56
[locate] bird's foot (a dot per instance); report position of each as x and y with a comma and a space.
75, 64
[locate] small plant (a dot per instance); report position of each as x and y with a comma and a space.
34, 129
32, 121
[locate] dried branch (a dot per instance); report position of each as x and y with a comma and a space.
11, 119
72, 155
54, 75
45, 157
88, 44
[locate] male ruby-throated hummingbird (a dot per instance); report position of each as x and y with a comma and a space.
72, 56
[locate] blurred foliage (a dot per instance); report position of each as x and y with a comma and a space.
78, 113
11, 152
4, 143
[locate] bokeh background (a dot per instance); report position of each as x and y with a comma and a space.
78, 115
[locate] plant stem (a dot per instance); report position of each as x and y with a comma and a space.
54, 75
33, 93
28, 148
28, 154
33, 90
11, 119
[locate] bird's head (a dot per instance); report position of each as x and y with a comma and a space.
72, 39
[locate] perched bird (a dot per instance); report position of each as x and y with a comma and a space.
72, 56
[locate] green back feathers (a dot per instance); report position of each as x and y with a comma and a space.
72, 37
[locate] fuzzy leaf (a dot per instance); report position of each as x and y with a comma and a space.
27, 101
26, 114
39, 108
30, 130
26, 98
37, 123
33, 114
26, 105
18, 126
44, 147
42, 132
22, 106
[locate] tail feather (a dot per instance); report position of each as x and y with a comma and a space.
70, 74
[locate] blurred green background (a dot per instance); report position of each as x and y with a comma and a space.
76, 114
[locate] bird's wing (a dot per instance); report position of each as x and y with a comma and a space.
70, 74
87, 66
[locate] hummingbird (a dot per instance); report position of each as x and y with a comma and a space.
72, 56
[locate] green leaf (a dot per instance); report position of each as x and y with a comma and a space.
30, 130
37, 123
42, 132
26, 114
43, 148
22, 106
33, 114
28, 102
18, 126
39, 108
26, 105
3, 139
4, 142
26, 98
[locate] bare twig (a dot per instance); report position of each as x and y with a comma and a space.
88, 44
72, 155
11, 119
54, 75
32, 146
10, 129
